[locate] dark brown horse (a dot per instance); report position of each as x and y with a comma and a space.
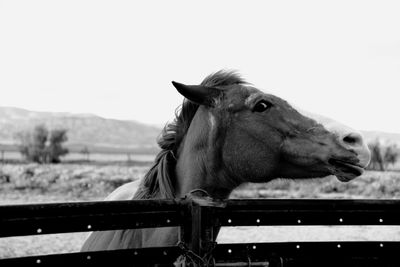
228, 133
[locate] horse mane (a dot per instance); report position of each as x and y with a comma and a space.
159, 180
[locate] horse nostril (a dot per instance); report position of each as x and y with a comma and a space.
353, 139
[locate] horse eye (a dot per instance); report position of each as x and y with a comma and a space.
262, 106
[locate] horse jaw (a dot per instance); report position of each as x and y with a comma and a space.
342, 170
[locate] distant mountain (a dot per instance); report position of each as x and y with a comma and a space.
100, 134
97, 133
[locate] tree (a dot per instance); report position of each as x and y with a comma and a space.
55, 149
382, 155
391, 154
376, 162
41, 145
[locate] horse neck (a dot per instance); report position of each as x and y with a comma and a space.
199, 164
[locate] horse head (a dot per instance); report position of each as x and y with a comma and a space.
261, 136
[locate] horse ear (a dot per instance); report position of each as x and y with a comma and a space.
199, 94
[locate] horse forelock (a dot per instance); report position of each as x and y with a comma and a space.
158, 181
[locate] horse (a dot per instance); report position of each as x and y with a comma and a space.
226, 133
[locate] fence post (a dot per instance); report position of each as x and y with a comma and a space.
200, 230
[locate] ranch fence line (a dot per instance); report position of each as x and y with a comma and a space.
199, 219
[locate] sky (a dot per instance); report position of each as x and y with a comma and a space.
117, 59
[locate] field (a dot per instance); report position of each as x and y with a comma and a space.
14, 156
32, 183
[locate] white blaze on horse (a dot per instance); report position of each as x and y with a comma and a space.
226, 133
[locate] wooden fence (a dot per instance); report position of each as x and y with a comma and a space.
200, 220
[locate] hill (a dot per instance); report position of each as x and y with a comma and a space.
97, 133
101, 134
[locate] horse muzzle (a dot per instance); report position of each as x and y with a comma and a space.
346, 169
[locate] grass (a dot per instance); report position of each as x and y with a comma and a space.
32, 183
29, 183
372, 184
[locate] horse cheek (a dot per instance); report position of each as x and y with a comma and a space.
249, 160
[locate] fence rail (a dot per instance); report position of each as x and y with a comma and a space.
19, 220
378, 254
162, 256
200, 220
309, 212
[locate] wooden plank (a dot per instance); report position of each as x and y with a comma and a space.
309, 212
35, 219
259, 254
198, 229
163, 256
314, 204
311, 253
91, 216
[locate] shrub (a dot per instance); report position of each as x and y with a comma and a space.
43, 146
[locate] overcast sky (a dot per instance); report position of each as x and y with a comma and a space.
117, 58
